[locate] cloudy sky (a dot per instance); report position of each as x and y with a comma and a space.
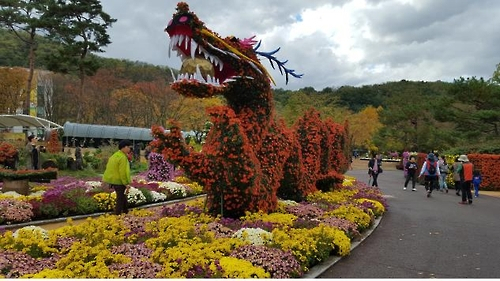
333, 43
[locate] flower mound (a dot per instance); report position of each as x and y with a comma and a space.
278, 263
183, 241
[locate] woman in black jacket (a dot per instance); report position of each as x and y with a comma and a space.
374, 169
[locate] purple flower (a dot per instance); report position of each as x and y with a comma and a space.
278, 263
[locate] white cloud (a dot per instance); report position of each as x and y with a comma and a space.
333, 43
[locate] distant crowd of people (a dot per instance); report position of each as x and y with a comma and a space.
434, 172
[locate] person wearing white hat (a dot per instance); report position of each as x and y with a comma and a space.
466, 173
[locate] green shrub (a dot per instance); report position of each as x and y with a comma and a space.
85, 205
92, 161
49, 210
147, 194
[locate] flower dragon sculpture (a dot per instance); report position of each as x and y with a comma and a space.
249, 158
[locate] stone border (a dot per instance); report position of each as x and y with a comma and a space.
318, 269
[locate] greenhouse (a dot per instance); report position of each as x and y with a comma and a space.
95, 135
88, 135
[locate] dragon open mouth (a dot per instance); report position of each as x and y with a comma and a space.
197, 63
213, 62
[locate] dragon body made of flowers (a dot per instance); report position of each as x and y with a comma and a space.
249, 158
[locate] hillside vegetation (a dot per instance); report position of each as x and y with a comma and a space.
458, 117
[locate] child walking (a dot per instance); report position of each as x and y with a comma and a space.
476, 181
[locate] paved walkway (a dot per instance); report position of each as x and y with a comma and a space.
422, 237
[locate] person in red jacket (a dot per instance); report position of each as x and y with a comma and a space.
466, 171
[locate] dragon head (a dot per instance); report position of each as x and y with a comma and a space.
212, 65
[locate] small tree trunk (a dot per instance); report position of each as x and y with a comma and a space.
32, 45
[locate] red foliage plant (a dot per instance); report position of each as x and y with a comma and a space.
7, 151
53, 144
249, 158
488, 166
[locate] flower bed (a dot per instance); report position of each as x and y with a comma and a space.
68, 196
182, 241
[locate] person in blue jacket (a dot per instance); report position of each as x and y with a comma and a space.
476, 181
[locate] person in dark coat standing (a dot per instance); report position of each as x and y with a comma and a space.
411, 173
374, 169
33, 154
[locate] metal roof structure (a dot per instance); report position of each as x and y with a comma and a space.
7, 121
106, 132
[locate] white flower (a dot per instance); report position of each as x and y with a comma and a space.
38, 193
32, 228
288, 202
256, 236
12, 194
92, 184
158, 197
135, 196
174, 188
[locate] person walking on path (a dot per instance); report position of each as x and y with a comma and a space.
443, 170
430, 170
466, 173
456, 176
374, 169
476, 181
117, 175
411, 173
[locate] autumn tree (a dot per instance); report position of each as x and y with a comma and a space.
192, 114
24, 18
160, 101
364, 125
100, 87
127, 105
12, 82
300, 102
80, 26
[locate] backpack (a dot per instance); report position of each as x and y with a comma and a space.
431, 168
444, 169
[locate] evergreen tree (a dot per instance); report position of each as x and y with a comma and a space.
80, 26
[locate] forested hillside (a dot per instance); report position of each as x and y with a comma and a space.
421, 116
